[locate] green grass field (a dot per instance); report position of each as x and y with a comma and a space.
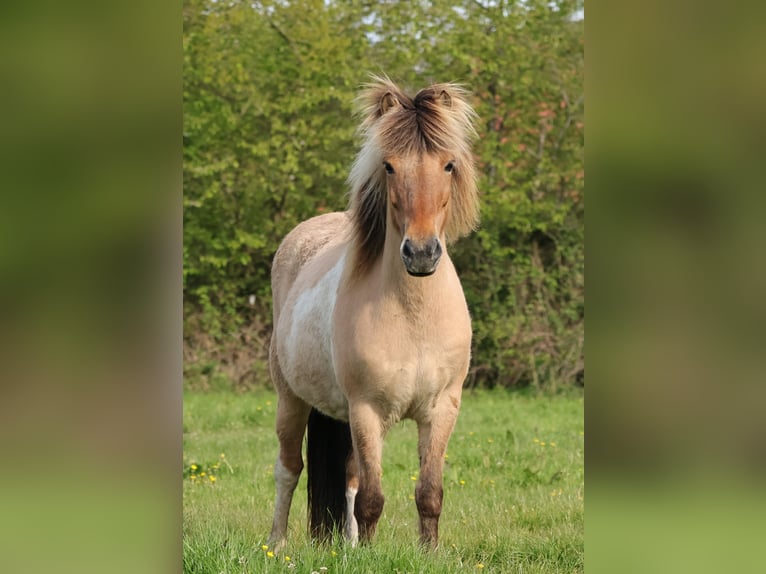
513, 491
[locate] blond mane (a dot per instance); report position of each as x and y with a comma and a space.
437, 119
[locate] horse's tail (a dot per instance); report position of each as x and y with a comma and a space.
329, 444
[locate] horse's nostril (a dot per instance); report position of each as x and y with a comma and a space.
407, 249
433, 248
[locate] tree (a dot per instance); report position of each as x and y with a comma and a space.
269, 138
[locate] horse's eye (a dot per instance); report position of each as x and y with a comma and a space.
389, 168
449, 167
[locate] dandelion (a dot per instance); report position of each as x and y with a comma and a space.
542, 444
223, 455
202, 474
194, 467
212, 478
462, 483
411, 497
268, 403
265, 546
480, 565
489, 440
333, 552
270, 554
413, 477
553, 444
446, 456
287, 559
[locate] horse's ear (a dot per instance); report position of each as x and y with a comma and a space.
445, 99
387, 102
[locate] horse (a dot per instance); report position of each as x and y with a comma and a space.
370, 321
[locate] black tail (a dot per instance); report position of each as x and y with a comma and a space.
329, 444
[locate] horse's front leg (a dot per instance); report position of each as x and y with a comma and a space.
433, 436
367, 436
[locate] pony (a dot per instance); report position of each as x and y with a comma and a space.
370, 321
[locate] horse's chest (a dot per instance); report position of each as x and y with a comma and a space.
404, 364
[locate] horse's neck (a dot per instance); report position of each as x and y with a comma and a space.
414, 293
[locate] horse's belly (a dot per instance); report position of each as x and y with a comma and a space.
305, 347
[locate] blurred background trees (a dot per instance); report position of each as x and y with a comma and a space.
269, 139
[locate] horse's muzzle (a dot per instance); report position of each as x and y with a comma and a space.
421, 260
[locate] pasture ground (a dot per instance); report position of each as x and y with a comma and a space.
513, 491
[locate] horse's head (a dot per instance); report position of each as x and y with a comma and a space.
414, 177
419, 190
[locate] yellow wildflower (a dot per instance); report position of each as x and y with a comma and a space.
480, 565
194, 467
462, 483
265, 546
413, 477
270, 554
212, 478
287, 559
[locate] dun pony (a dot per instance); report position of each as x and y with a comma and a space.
370, 321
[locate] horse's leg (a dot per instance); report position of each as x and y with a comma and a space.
433, 436
352, 487
292, 416
367, 435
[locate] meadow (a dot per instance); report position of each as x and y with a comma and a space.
513, 491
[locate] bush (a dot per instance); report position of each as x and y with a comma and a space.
269, 139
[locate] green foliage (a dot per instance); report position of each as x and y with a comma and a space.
513, 490
269, 139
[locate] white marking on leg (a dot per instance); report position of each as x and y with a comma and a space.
352, 529
286, 483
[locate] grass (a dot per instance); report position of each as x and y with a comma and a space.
513, 491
